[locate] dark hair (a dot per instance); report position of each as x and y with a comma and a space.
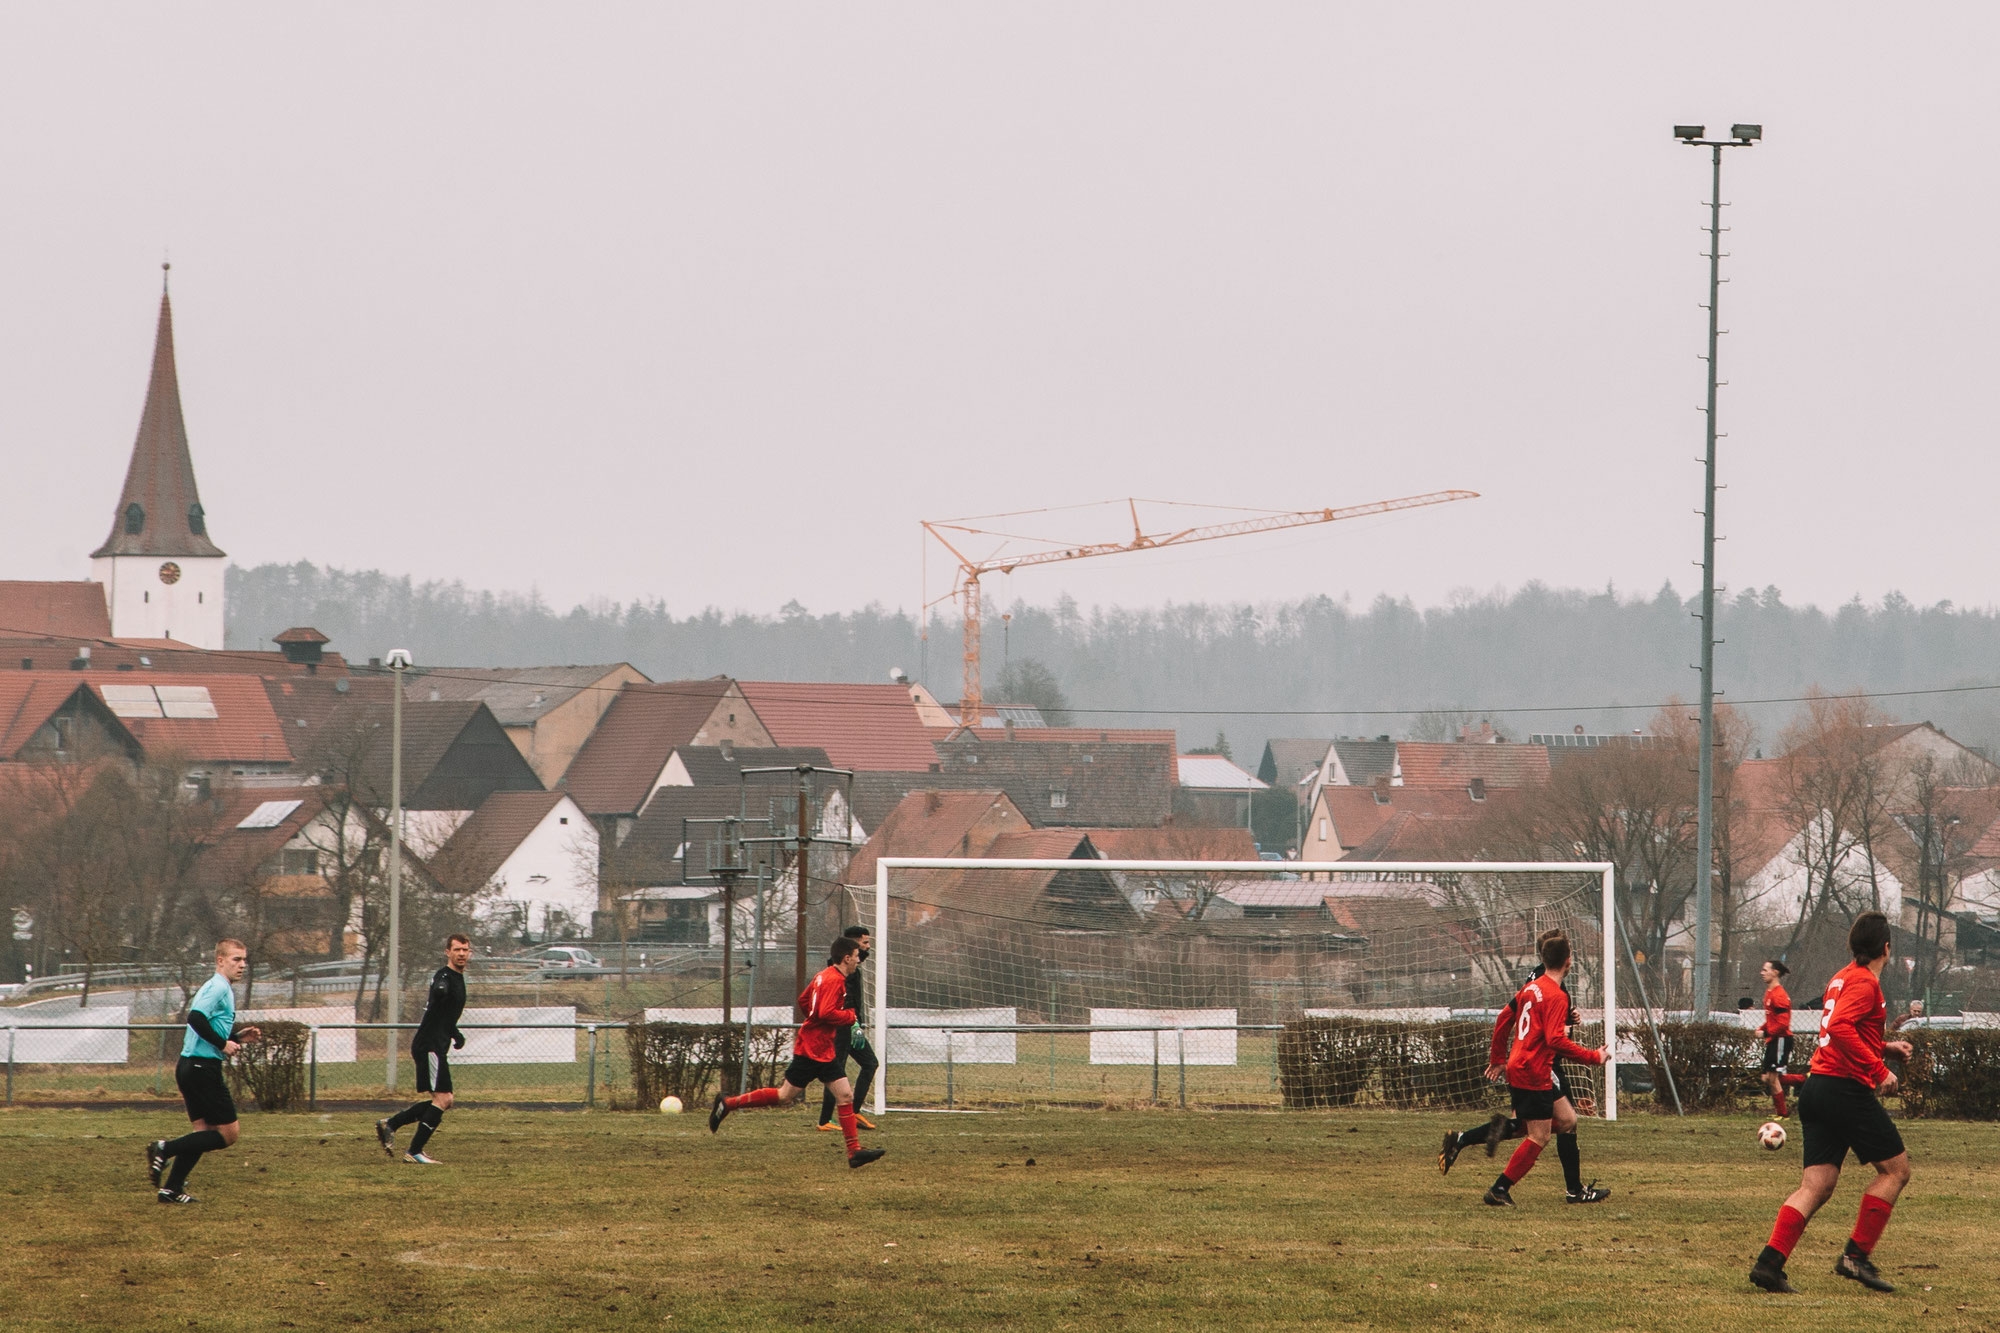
856, 932
1555, 949
1778, 966
454, 938
1868, 939
842, 948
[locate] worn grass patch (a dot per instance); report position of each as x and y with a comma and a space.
1136, 1220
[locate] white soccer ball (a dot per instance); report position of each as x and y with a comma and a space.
671, 1105
1771, 1134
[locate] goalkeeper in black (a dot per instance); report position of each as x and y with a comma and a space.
437, 1034
853, 1041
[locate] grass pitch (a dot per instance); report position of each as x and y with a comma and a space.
1028, 1220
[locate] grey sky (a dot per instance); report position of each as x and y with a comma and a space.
715, 302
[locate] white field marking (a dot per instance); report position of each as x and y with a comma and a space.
421, 1257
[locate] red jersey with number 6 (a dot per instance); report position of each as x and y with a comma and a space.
1777, 1012
1850, 1027
821, 1003
1540, 1034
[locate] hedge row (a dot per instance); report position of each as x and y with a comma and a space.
1953, 1075
1348, 1061
692, 1060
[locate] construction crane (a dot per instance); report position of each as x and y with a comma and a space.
965, 587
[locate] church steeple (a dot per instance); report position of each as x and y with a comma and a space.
159, 511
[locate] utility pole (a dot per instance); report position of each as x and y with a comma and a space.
1704, 859
805, 849
399, 662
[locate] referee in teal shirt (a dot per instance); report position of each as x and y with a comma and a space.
212, 1037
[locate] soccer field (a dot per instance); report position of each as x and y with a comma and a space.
1082, 1220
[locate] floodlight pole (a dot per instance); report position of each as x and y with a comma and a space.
398, 662
1704, 857
805, 850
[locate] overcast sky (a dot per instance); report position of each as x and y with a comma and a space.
714, 303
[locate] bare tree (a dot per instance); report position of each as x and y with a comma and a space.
1837, 787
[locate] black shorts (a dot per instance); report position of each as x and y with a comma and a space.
1561, 1081
433, 1068
1533, 1103
804, 1069
203, 1089
1777, 1055
1837, 1115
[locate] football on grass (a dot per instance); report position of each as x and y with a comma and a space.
671, 1105
1771, 1134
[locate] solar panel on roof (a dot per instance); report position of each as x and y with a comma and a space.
131, 700
270, 814
186, 701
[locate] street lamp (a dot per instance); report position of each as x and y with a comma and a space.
1742, 136
399, 662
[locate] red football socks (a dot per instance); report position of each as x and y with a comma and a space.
1522, 1162
1779, 1097
755, 1097
1790, 1226
853, 1135
1868, 1226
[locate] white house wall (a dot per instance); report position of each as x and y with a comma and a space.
554, 867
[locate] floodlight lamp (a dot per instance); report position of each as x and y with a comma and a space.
1747, 133
399, 659
1689, 132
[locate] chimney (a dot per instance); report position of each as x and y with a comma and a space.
81, 662
932, 802
1476, 789
728, 748
1381, 785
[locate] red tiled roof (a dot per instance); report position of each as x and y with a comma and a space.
244, 729
934, 823
861, 727
28, 699
1175, 842
1358, 815
29, 610
1433, 764
160, 478
614, 772
1042, 844
231, 855
477, 849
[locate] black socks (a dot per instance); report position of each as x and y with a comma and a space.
1572, 1161
409, 1115
428, 1118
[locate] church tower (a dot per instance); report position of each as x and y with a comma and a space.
162, 575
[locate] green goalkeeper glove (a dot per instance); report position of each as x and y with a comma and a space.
857, 1039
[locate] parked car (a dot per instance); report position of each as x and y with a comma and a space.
564, 956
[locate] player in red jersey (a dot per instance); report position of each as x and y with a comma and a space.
1840, 1109
1540, 1034
1777, 1032
814, 1054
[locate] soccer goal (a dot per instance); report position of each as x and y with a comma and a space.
1221, 984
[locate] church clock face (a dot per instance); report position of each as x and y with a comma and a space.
170, 573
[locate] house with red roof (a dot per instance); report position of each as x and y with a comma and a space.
625, 761
532, 855
862, 728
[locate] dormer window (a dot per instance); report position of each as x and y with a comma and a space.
197, 520
1476, 789
135, 519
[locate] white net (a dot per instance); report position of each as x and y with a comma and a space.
1262, 984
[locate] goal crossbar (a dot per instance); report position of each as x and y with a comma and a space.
1605, 870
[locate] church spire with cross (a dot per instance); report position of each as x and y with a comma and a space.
162, 573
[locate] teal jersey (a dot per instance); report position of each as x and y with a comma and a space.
216, 1002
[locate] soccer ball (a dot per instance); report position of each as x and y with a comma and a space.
1771, 1134
671, 1105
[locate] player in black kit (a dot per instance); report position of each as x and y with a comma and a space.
437, 1033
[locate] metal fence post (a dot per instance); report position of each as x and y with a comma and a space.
590, 1084
10, 1064
1180, 1037
1275, 1038
1156, 1066
312, 1075
948, 1102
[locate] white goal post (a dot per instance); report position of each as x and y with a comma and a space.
1192, 1021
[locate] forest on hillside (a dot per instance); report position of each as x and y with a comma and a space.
1535, 659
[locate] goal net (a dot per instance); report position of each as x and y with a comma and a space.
1218, 984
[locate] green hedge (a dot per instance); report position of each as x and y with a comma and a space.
273, 1068
692, 1060
1712, 1063
1345, 1061
1953, 1075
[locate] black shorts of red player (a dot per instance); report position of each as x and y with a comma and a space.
1837, 1115
804, 1069
1777, 1055
1534, 1103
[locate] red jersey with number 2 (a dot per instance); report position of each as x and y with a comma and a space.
1850, 1027
821, 1003
1540, 1034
